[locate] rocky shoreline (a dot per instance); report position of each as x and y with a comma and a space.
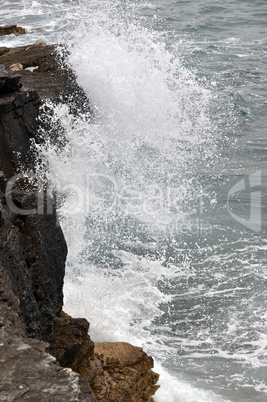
45, 354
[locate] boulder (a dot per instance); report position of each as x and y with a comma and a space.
122, 373
11, 29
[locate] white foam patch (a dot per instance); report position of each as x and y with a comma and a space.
175, 390
120, 305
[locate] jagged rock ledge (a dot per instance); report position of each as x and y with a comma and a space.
33, 326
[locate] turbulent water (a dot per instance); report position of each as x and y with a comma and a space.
165, 186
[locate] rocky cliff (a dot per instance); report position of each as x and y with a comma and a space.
32, 261
32, 265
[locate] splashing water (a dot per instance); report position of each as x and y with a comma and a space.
130, 171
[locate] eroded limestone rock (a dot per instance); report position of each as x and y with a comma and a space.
122, 373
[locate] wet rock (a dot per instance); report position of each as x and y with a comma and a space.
115, 371
71, 344
122, 373
18, 123
33, 249
33, 253
18, 114
11, 29
52, 78
28, 372
9, 82
32, 260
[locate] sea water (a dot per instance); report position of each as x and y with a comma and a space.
163, 187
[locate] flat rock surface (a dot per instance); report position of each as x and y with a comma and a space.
28, 373
48, 77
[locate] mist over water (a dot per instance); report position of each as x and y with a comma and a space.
156, 254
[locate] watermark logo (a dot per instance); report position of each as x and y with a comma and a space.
44, 205
251, 189
167, 207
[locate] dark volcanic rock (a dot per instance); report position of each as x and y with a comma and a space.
32, 264
18, 114
18, 123
33, 249
51, 78
9, 82
33, 253
28, 372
